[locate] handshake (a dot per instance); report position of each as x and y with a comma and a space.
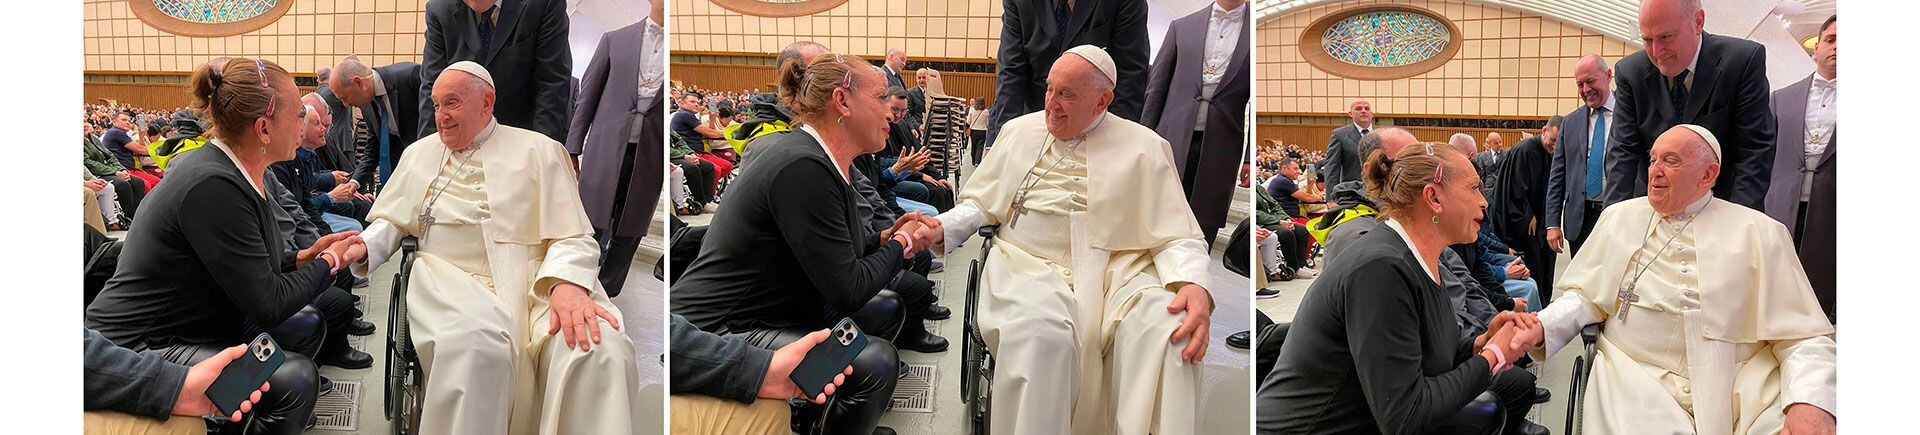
916, 231
1510, 335
339, 249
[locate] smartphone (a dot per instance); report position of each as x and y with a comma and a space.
829, 358
245, 374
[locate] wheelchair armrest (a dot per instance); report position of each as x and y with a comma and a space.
1590, 334
987, 232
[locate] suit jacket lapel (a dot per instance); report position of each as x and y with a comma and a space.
1704, 76
1082, 11
503, 30
1192, 50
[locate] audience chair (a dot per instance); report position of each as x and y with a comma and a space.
944, 129
976, 365
406, 378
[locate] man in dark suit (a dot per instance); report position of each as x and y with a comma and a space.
1488, 162
523, 43
1197, 100
1686, 76
1802, 193
1342, 163
1036, 32
389, 101
1517, 207
616, 137
1574, 182
896, 61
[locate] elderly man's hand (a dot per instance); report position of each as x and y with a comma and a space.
1518, 270
340, 177
779, 385
1198, 304
1805, 419
323, 244
193, 401
1556, 240
573, 312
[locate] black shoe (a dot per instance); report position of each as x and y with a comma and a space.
359, 328
937, 312
1265, 293
926, 343
1541, 395
350, 359
1240, 340
326, 385
937, 267
360, 282
1529, 428
883, 430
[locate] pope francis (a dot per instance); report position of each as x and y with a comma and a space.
1097, 253
507, 259
1710, 325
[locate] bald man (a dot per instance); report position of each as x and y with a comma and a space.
512, 325
1578, 173
1344, 156
1686, 76
1710, 325
1094, 297
388, 99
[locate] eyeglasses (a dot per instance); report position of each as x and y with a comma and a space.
262, 69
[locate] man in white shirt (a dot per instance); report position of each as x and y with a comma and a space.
1197, 96
1802, 194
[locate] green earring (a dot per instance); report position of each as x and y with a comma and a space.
842, 121
263, 150
1436, 219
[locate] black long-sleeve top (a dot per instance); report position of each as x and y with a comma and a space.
1374, 349
788, 245
206, 262
711, 365
122, 380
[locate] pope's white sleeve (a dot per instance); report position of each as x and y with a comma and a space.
1807, 371
959, 223
1182, 260
1563, 320
382, 239
574, 259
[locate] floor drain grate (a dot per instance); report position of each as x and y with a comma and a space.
914, 393
338, 409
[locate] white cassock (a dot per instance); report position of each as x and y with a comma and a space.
1720, 341
1090, 267
477, 298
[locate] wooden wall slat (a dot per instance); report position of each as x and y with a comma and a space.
747, 77
1314, 136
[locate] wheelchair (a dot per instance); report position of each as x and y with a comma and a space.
406, 378
1582, 368
976, 364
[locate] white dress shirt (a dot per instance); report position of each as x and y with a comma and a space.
1223, 35
1821, 119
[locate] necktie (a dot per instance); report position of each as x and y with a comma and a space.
1678, 91
1596, 150
380, 131
486, 28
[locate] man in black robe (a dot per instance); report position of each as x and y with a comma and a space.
1519, 203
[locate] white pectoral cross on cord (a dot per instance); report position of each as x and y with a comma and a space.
426, 224
1019, 208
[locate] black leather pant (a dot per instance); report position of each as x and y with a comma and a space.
1483, 416
859, 403
286, 407
1514, 388
336, 310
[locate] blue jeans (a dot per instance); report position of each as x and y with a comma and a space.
1524, 289
912, 206
912, 190
340, 223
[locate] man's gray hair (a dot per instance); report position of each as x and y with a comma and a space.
1372, 141
351, 67
1464, 142
792, 52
